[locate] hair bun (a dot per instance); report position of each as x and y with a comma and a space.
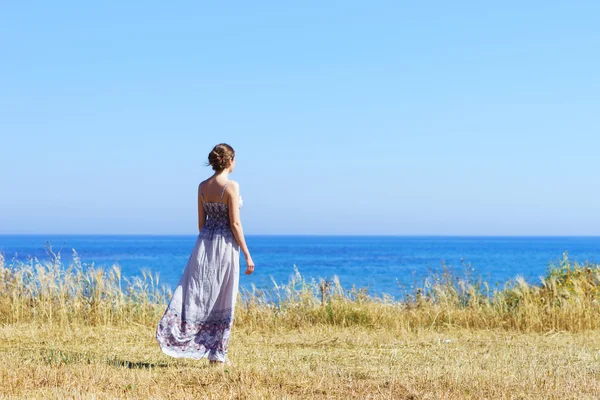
221, 156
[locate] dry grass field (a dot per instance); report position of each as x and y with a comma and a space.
83, 332
322, 362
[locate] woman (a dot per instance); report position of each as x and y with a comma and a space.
197, 322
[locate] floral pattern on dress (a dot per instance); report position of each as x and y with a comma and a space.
195, 339
217, 221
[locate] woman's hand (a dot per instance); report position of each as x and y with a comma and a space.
249, 265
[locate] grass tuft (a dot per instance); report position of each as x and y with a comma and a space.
48, 292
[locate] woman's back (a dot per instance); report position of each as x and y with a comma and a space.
212, 190
217, 212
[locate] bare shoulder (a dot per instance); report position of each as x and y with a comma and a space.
203, 182
200, 187
232, 187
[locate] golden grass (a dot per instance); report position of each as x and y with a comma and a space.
86, 332
106, 362
568, 299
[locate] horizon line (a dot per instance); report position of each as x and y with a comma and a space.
312, 234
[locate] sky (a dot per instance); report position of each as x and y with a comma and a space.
347, 117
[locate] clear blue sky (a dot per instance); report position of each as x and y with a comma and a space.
349, 117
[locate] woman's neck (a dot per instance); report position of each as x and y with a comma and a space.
222, 174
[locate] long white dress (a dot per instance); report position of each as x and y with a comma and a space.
198, 319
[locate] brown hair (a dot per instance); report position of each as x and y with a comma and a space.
221, 156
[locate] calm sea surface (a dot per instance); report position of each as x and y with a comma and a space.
386, 264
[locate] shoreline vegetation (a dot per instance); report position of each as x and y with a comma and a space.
78, 331
48, 292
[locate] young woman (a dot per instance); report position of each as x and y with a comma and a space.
197, 322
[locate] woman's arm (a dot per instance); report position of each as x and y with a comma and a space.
201, 212
236, 223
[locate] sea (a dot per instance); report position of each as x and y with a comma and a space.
391, 265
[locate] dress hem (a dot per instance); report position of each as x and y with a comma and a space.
196, 355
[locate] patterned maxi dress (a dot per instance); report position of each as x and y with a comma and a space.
197, 322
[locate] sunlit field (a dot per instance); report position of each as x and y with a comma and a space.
78, 331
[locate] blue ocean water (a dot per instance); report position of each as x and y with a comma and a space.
384, 264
